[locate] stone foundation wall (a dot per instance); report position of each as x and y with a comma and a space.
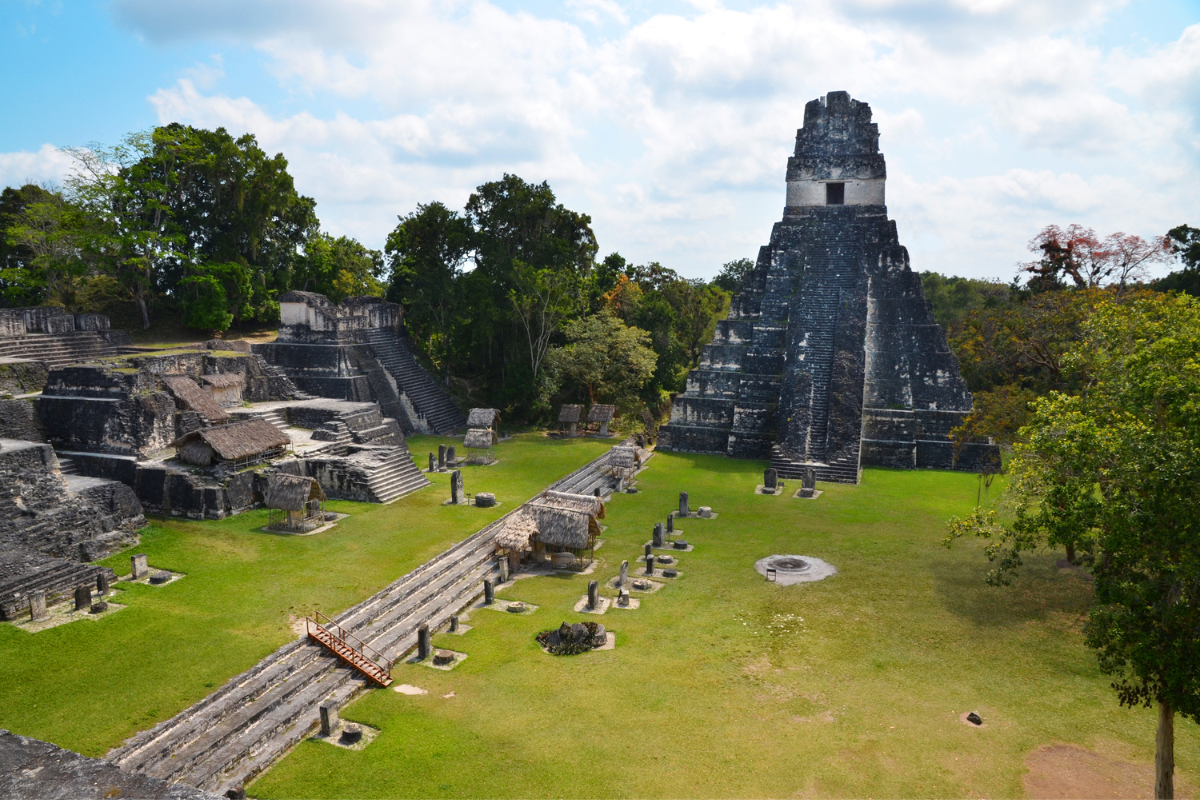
19, 420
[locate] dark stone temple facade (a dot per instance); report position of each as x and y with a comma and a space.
830, 357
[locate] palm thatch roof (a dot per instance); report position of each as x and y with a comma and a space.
223, 380
193, 398
479, 439
601, 413
564, 527
575, 502
239, 440
292, 492
483, 418
518, 529
622, 457
570, 413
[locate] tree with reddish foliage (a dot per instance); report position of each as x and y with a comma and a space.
1077, 253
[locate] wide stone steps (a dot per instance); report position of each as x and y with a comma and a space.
397, 477
235, 733
57, 350
426, 395
352, 657
57, 580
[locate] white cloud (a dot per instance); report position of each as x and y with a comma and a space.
46, 165
998, 116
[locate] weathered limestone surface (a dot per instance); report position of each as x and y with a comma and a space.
830, 356
19, 420
31, 768
357, 350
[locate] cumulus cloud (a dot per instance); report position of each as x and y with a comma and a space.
673, 129
46, 166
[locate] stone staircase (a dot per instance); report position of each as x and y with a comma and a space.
58, 578
427, 397
397, 477
240, 730
57, 349
67, 466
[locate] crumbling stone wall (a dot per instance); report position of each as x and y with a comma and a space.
22, 377
19, 420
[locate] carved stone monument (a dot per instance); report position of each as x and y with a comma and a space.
37, 606
502, 563
454, 623
102, 584
830, 356
623, 598
451, 459
624, 578
649, 550
441, 457
593, 601
83, 597
671, 523
659, 539
770, 481
489, 593
456, 488
808, 483
138, 565
649, 564
423, 643
432, 463
683, 504
329, 718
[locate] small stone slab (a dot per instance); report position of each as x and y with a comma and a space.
160, 578
338, 738
455, 658
154, 577
816, 493
582, 607
501, 604
670, 548
653, 587
633, 604
761, 489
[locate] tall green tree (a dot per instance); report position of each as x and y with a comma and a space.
1107, 471
40, 259
605, 358
338, 268
426, 253
733, 274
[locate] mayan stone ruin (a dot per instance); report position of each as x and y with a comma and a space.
358, 351
830, 357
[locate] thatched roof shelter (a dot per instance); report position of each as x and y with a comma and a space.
601, 413
483, 418
479, 439
189, 394
223, 380
570, 413
238, 441
564, 527
292, 492
518, 530
575, 502
622, 457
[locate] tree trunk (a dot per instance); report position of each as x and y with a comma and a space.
1164, 756
145, 312
1071, 553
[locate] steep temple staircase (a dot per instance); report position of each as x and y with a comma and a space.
433, 406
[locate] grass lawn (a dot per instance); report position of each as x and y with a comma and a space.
723, 685
88, 685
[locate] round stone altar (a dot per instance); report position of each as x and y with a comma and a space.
794, 569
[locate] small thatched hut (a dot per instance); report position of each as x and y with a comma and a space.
295, 503
483, 418
601, 414
569, 415
192, 398
237, 444
479, 443
555, 527
225, 388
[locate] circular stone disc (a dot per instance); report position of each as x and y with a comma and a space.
795, 569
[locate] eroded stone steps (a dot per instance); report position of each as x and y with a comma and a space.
423, 392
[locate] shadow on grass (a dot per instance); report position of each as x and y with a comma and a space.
1039, 592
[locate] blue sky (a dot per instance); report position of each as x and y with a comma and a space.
668, 122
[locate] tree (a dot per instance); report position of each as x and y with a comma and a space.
1107, 471
606, 358
338, 268
40, 259
733, 275
1077, 253
426, 253
1185, 244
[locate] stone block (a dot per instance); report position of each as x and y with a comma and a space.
139, 568
329, 718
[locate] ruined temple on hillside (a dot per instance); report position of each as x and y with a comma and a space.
830, 357
357, 350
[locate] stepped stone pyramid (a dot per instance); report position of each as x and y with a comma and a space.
830, 357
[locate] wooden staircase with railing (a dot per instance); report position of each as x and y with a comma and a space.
336, 639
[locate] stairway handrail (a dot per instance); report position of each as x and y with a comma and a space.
342, 635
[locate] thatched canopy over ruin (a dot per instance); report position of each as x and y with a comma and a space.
622, 457
479, 439
235, 442
575, 502
564, 527
483, 418
292, 492
601, 413
570, 413
518, 530
189, 394
223, 380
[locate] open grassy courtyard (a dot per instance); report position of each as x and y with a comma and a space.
723, 685
88, 685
